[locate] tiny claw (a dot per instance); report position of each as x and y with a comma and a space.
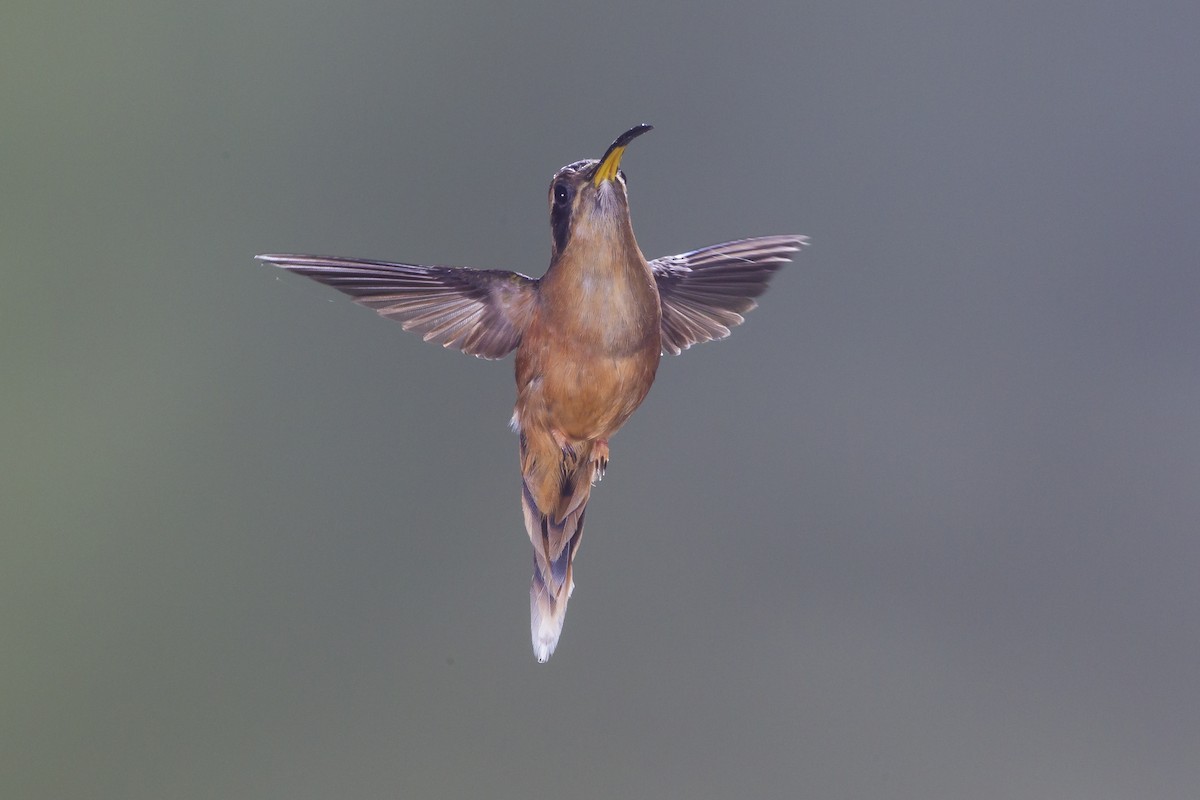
569, 457
600, 458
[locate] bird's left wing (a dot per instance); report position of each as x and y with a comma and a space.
481, 312
704, 293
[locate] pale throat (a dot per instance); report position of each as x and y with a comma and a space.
613, 295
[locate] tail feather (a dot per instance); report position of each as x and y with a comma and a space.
555, 543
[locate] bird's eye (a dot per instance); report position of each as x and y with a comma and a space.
562, 194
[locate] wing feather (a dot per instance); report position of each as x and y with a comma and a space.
481, 312
704, 293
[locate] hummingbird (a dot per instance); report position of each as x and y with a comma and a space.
588, 337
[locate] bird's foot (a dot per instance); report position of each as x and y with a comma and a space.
600, 458
569, 456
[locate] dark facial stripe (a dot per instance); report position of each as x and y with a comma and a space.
560, 225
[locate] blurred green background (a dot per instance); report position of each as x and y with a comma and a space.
925, 527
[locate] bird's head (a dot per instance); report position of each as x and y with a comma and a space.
588, 198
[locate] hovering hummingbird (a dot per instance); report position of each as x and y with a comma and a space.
588, 337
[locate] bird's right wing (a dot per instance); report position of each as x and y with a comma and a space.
481, 312
704, 293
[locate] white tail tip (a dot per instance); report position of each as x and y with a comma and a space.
545, 621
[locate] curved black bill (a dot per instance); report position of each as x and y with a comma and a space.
606, 170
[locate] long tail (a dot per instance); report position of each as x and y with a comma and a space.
555, 527
554, 549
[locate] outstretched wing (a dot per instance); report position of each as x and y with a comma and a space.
704, 293
481, 312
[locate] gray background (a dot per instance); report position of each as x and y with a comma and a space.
925, 527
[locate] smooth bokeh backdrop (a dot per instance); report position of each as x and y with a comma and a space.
925, 527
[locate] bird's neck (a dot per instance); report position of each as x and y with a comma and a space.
601, 285
598, 263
